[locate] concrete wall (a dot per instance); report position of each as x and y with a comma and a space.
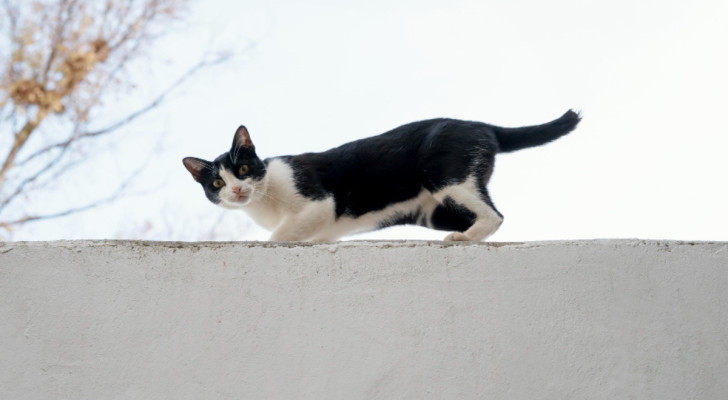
623, 319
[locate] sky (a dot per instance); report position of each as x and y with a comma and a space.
647, 161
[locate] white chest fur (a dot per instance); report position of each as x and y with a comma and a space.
277, 199
280, 208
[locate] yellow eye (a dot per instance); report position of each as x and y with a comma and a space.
218, 183
243, 170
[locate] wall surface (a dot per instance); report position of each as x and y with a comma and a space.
605, 319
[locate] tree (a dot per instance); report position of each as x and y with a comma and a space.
58, 61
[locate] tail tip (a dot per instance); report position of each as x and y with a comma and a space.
572, 115
570, 119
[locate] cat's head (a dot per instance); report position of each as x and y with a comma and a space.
233, 179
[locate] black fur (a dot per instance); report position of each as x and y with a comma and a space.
372, 173
416, 217
512, 139
451, 216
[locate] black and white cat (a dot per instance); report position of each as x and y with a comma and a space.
431, 173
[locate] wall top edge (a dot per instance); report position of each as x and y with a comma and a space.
362, 244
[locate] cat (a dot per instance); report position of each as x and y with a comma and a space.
431, 173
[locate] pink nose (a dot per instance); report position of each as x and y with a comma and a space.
237, 189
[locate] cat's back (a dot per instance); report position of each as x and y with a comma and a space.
406, 139
393, 153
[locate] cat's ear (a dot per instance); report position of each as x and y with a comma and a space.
196, 167
242, 139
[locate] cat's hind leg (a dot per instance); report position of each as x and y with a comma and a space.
484, 227
468, 211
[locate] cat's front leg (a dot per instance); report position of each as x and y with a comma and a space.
291, 232
308, 224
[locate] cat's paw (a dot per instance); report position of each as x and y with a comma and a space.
457, 237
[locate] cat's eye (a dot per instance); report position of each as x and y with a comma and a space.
243, 169
218, 183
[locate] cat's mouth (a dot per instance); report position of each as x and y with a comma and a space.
242, 197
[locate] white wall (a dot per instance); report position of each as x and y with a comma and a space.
610, 319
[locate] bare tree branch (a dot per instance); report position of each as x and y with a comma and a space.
12, 14
129, 118
20, 138
31, 218
57, 38
19, 189
120, 192
63, 57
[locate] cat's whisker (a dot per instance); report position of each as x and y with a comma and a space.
274, 198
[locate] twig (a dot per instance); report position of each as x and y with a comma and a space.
42, 171
120, 191
19, 141
128, 119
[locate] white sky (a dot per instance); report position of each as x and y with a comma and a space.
648, 161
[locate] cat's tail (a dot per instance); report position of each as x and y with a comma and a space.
512, 139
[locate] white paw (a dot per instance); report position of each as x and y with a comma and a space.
457, 237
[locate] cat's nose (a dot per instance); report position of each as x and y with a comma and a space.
237, 189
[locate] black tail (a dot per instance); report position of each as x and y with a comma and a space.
512, 139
